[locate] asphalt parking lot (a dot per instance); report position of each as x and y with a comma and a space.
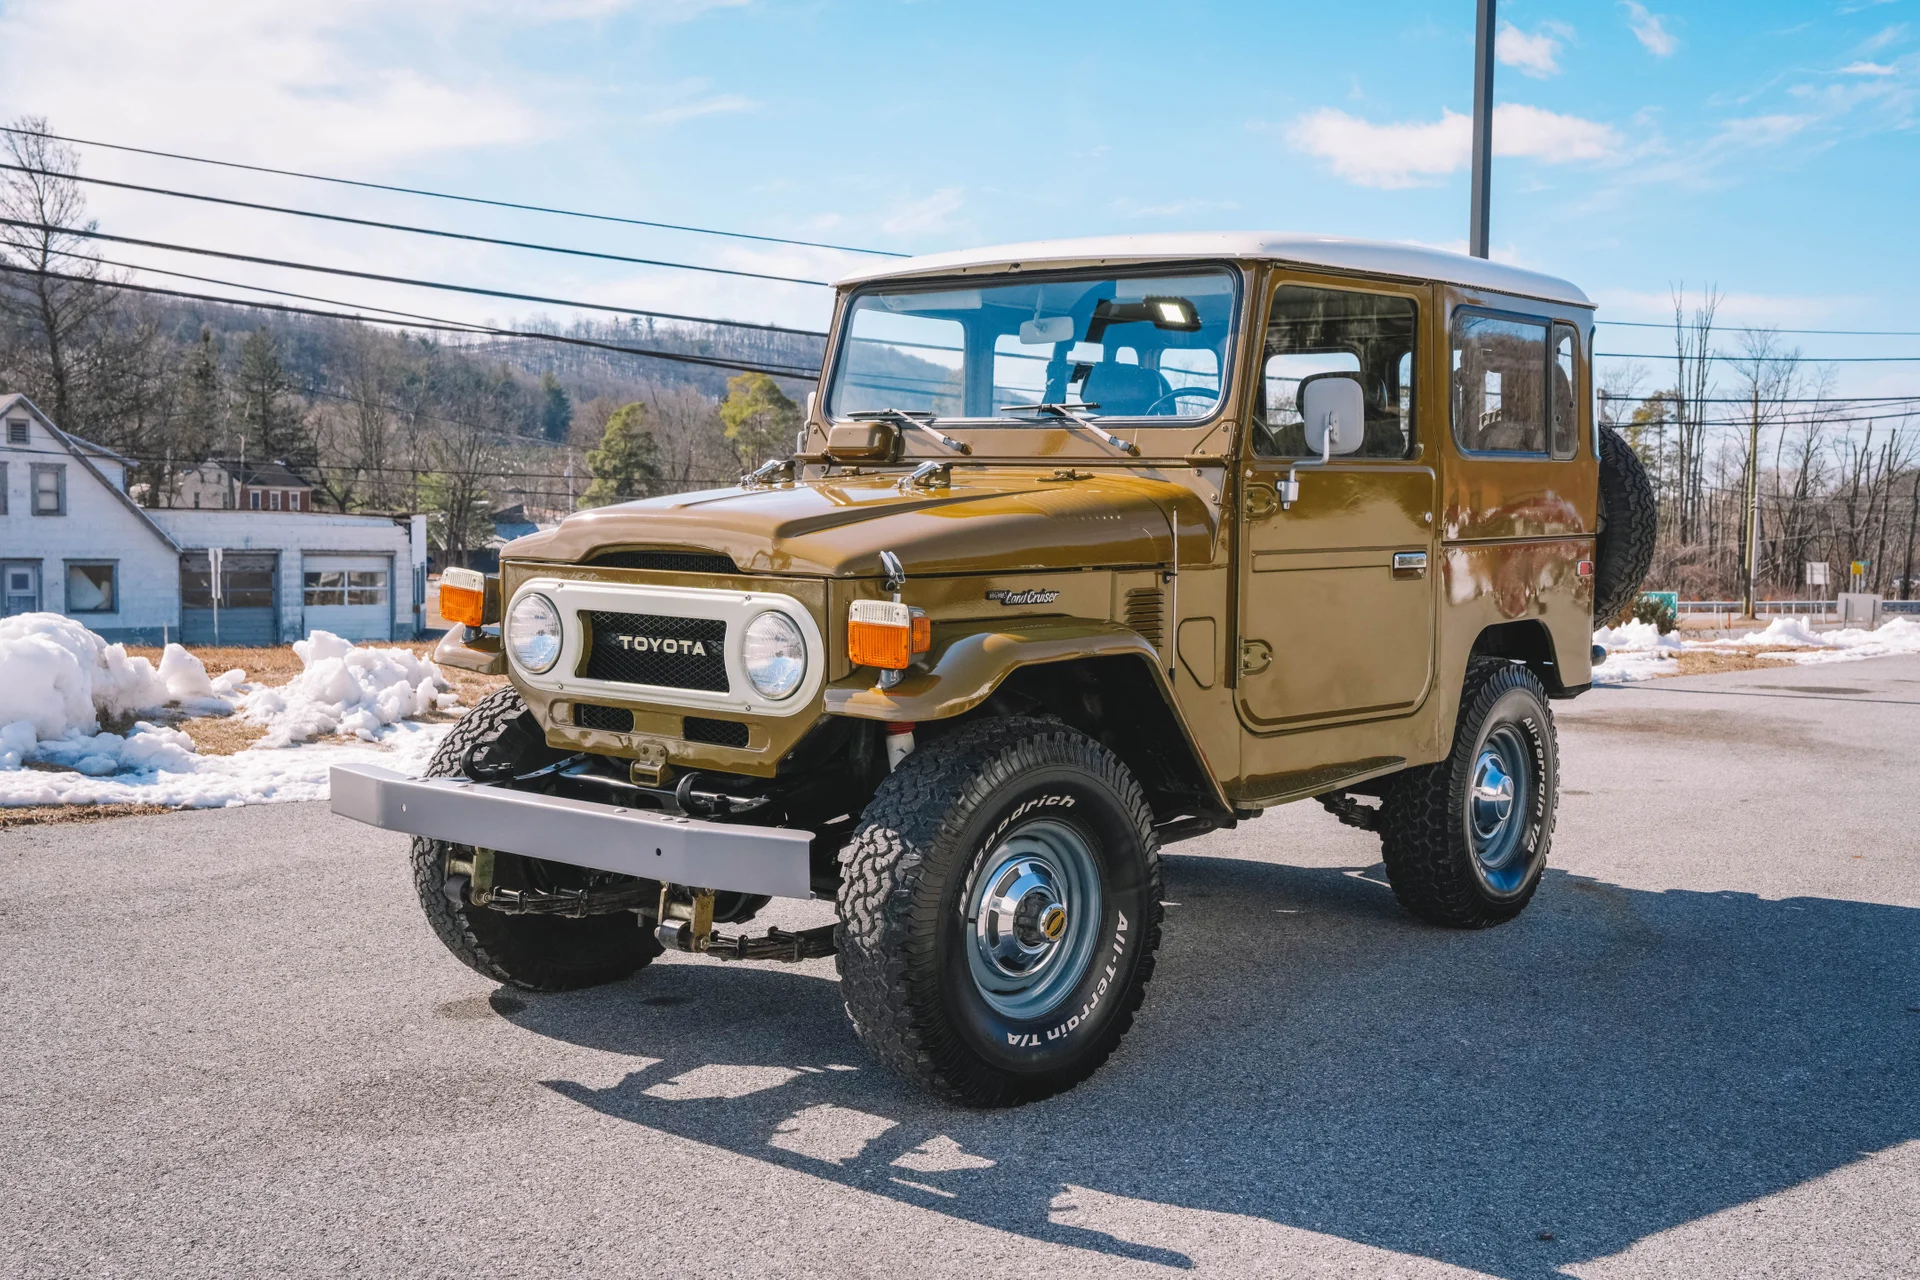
234, 1049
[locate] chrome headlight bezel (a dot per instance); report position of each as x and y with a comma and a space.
548, 633
771, 643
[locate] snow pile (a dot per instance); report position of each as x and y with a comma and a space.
1791, 630
1636, 651
346, 689
58, 680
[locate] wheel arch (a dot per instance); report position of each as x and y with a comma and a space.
1529, 641
1103, 679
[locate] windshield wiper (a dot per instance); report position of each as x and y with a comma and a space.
909, 418
1066, 412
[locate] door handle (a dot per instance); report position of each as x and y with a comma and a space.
1409, 564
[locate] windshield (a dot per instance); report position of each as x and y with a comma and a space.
1100, 345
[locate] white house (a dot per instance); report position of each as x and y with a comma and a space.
73, 542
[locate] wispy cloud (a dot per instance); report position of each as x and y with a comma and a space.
718, 105
1650, 29
1535, 55
1754, 131
1173, 208
1884, 37
1869, 69
929, 213
1418, 153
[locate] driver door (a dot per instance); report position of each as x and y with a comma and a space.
1336, 613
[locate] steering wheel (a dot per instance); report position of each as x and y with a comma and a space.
1178, 392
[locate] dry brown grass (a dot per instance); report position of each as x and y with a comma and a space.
41, 815
221, 735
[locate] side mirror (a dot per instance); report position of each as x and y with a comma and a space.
1333, 410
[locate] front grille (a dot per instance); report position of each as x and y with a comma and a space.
645, 648
665, 561
611, 719
1146, 613
719, 733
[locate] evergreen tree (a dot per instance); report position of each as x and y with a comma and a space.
271, 422
760, 421
625, 466
556, 409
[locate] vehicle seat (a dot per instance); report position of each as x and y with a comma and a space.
1124, 390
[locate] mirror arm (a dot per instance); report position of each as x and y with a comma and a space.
1290, 487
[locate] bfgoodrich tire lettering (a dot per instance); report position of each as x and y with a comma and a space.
1455, 855
541, 953
912, 869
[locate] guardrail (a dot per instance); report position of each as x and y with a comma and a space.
1801, 608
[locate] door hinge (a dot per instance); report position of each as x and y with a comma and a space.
1258, 501
1255, 656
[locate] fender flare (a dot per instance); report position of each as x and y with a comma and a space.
971, 663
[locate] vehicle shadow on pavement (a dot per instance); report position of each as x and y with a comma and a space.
1612, 1064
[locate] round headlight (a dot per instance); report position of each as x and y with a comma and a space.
775, 655
533, 633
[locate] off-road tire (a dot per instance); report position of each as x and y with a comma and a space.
540, 953
1629, 525
1426, 838
903, 971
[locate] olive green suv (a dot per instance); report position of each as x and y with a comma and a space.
1087, 547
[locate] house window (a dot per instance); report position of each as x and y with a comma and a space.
273, 500
3, 488
16, 431
91, 588
326, 586
49, 489
368, 587
253, 498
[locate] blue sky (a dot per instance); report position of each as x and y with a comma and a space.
1770, 148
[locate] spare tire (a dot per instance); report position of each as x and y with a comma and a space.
1629, 523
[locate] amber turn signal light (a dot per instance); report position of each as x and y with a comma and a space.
886, 634
463, 597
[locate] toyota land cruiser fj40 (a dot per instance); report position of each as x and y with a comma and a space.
1086, 547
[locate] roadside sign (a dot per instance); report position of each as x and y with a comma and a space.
213, 583
1671, 599
1816, 574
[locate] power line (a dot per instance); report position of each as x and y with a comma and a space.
776, 370
1642, 355
1735, 328
334, 302
421, 231
384, 279
443, 195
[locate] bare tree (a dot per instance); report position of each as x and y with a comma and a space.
1692, 388
54, 292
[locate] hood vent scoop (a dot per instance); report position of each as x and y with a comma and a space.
665, 561
1146, 613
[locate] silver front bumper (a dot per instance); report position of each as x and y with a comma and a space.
603, 837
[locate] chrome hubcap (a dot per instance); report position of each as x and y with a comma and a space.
1032, 912
1498, 801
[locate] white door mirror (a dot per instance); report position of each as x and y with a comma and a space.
1333, 410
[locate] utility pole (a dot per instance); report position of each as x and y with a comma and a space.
1752, 557
1477, 233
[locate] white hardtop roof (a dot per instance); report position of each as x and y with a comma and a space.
1375, 257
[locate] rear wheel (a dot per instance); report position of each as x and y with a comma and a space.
999, 912
540, 952
1465, 840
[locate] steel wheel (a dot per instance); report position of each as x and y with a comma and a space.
1498, 804
1034, 913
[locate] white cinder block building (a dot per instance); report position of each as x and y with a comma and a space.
73, 542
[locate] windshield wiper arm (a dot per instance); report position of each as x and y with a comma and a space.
1066, 412
908, 418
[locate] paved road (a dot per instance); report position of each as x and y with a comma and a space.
234, 1049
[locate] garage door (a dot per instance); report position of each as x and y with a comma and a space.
351, 596
249, 612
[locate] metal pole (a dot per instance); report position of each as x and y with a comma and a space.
1477, 233
1753, 499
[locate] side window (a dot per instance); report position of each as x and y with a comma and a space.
1499, 384
49, 489
1313, 331
1566, 392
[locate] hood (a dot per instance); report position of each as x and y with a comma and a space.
988, 521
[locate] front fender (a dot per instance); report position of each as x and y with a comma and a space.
972, 664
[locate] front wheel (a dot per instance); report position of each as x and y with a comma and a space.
999, 912
1465, 840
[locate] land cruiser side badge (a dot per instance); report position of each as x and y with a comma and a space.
1032, 595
